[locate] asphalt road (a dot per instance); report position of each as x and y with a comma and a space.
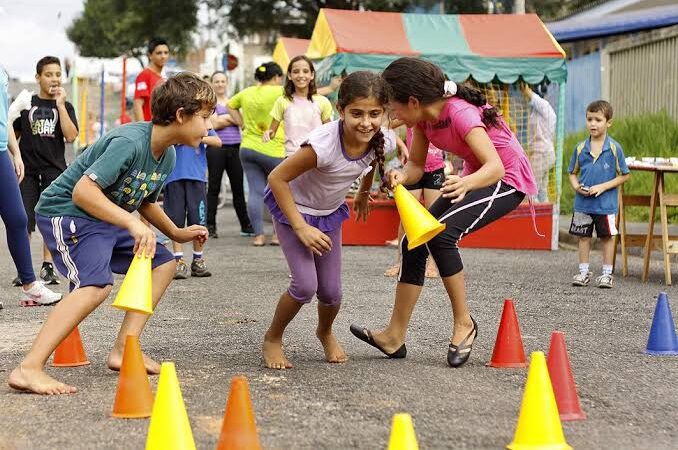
212, 329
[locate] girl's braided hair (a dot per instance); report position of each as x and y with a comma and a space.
364, 84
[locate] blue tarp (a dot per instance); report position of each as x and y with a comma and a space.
583, 27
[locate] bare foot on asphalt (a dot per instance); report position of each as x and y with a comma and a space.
274, 357
37, 382
334, 353
115, 362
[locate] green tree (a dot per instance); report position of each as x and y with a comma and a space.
110, 28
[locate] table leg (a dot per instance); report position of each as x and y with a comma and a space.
650, 228
665, 231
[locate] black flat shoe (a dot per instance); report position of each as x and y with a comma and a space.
457, 355
366, 336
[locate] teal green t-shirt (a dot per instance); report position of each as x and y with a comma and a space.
121, 163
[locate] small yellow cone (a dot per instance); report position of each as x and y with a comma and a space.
539, 424
169, 427
136, 291
419, 225
402, 434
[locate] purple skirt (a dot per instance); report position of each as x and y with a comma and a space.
325, 224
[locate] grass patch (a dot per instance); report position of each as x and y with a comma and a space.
646, 135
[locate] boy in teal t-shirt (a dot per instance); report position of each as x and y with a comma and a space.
85, 219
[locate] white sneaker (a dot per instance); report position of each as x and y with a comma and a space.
582, 279
39, 295
605, 281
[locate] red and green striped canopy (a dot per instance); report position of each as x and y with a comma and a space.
481, 46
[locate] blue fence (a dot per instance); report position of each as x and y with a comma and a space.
583, 87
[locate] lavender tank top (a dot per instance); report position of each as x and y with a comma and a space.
231, 134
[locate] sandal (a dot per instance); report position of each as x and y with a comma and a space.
259, 241
366, 336
457, 355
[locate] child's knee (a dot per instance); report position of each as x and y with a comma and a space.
330, 298
303, 291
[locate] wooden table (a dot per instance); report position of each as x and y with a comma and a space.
666, 243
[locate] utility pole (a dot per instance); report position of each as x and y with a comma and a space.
519, 7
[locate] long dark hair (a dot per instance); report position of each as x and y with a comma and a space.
414, 77
266, 71
289, 85
365, 84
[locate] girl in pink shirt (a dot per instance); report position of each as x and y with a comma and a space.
495, 179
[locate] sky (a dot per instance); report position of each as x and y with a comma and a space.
32, 29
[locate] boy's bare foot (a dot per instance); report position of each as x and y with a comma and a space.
274, 356
38, 382
334, 353
115, 362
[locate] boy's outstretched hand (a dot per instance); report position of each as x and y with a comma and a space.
190, 233
144, 239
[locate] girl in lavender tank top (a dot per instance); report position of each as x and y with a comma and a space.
495, 179
306, 196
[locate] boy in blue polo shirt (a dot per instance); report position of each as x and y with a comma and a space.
85, 217
596, 169
185, 200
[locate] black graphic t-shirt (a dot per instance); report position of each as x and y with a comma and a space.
41, 139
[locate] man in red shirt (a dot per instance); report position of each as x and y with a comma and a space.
158, 54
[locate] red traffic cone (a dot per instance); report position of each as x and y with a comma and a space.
70, 352
562, 379
508, 348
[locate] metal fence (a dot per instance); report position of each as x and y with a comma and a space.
640, 74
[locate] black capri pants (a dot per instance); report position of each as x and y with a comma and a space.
477, 209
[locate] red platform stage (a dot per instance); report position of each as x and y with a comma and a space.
513, 231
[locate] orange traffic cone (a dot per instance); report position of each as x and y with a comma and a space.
562, 379
419, 224
239, 431
134, 398
70, 352
508, 348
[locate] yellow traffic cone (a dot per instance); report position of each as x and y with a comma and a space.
136, 291
539, 424
169, 427
419, 225
402, 434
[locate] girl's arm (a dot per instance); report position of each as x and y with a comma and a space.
272, 130
220, 121
237, 118
13, 147
414, 168
301, 161
491, 171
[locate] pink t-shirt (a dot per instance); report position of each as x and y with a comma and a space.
457, 119
434, 159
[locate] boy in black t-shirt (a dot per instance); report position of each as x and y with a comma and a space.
41, 131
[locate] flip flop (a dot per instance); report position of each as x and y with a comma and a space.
366, 336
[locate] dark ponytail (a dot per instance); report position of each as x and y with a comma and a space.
364, 84
476, 97
414, 77
266, 71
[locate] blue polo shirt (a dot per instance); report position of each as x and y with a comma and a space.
191, 162
607, 166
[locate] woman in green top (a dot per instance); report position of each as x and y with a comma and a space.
251, 109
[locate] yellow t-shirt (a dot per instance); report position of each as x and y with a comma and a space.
255, 104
